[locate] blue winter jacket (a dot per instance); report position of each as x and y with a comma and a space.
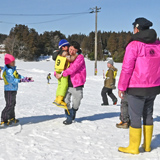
11, 78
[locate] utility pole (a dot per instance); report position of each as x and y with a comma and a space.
95, 10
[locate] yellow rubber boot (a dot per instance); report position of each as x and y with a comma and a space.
60, 101
56, 99
134, 141
147, 132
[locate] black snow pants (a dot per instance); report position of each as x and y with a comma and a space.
104, 93
8, 112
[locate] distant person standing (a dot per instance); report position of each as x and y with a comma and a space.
109, 84
140, 78
48, 77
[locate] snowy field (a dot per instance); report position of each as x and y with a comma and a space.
41, 134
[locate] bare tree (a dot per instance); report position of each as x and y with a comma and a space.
10, 44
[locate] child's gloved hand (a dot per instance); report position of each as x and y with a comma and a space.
29, 79
23, 80
26, 79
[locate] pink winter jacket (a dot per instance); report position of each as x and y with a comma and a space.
76, 71
141, 66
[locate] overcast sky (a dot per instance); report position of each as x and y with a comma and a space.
73, 17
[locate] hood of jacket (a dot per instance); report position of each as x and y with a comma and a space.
145, 36
113, 68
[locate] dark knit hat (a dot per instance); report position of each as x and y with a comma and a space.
63, 43
110, 62
142, 23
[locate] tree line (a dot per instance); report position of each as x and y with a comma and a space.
2, 38
25, 43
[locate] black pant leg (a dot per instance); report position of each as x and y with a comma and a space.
8, 112
104, 95
148, 110
12, 113
124, 116
111, 95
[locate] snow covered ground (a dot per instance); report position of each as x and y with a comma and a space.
42, 135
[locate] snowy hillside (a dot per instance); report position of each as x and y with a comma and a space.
43, 136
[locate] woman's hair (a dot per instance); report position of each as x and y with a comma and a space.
75, 44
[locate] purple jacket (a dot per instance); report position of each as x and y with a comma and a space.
76, 71
141, 66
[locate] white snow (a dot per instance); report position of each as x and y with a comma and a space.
43, 136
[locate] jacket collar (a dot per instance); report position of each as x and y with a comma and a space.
145, 36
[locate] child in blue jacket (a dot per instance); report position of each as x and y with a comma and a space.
11, 80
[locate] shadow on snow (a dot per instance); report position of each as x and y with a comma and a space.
38, 119
155, 142
157, 119
98, 116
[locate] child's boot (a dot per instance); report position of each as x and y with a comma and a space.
114, 101
3, 124
6, 123
13, 120
60, 101
122, 125
56, 99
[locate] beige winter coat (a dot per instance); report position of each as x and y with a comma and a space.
110, 78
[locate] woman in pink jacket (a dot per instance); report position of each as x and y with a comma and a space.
140, 78
76, 81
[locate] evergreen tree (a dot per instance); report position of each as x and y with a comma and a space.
2, 38
99, 46
112, 43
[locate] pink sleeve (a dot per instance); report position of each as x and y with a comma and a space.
128, 66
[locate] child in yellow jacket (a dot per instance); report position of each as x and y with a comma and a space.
61, 63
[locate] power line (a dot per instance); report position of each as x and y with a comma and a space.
42, 21
50, 20
4, 14
69, 15
7, 22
